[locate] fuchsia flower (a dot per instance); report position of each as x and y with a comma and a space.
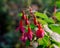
29, 33
23, 38
35, 21
27, 22
40, 32
21, 27
23, 16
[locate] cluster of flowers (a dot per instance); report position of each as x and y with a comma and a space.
39, 33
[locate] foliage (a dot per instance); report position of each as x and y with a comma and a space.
58, 16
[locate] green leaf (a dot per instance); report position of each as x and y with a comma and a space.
51, 46
58, 16
20, 14
44, 41
49, 20
42, 21
58, 4
55, 28
54, 42
41, 46
41, 15
43, 18
27, 43
32, 26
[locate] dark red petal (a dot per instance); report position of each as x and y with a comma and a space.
21, 23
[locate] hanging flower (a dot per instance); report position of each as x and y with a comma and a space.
27, 22
40, 32
21, 27
23, 38
23, 16
35, 21
29, 33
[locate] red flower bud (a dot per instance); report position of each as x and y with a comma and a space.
21, 27
29, 33
35, 21
20, 23
27, 22
23, 16
39, 26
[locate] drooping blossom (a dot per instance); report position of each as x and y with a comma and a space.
40, 32
23, 38
35, 21
27, 21
21, 27
29, 33
23, 16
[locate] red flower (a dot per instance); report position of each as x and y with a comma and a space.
40, 32
27, 22
23, 16
29, 33
35, 21
21, 27
23, 38
20, 23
